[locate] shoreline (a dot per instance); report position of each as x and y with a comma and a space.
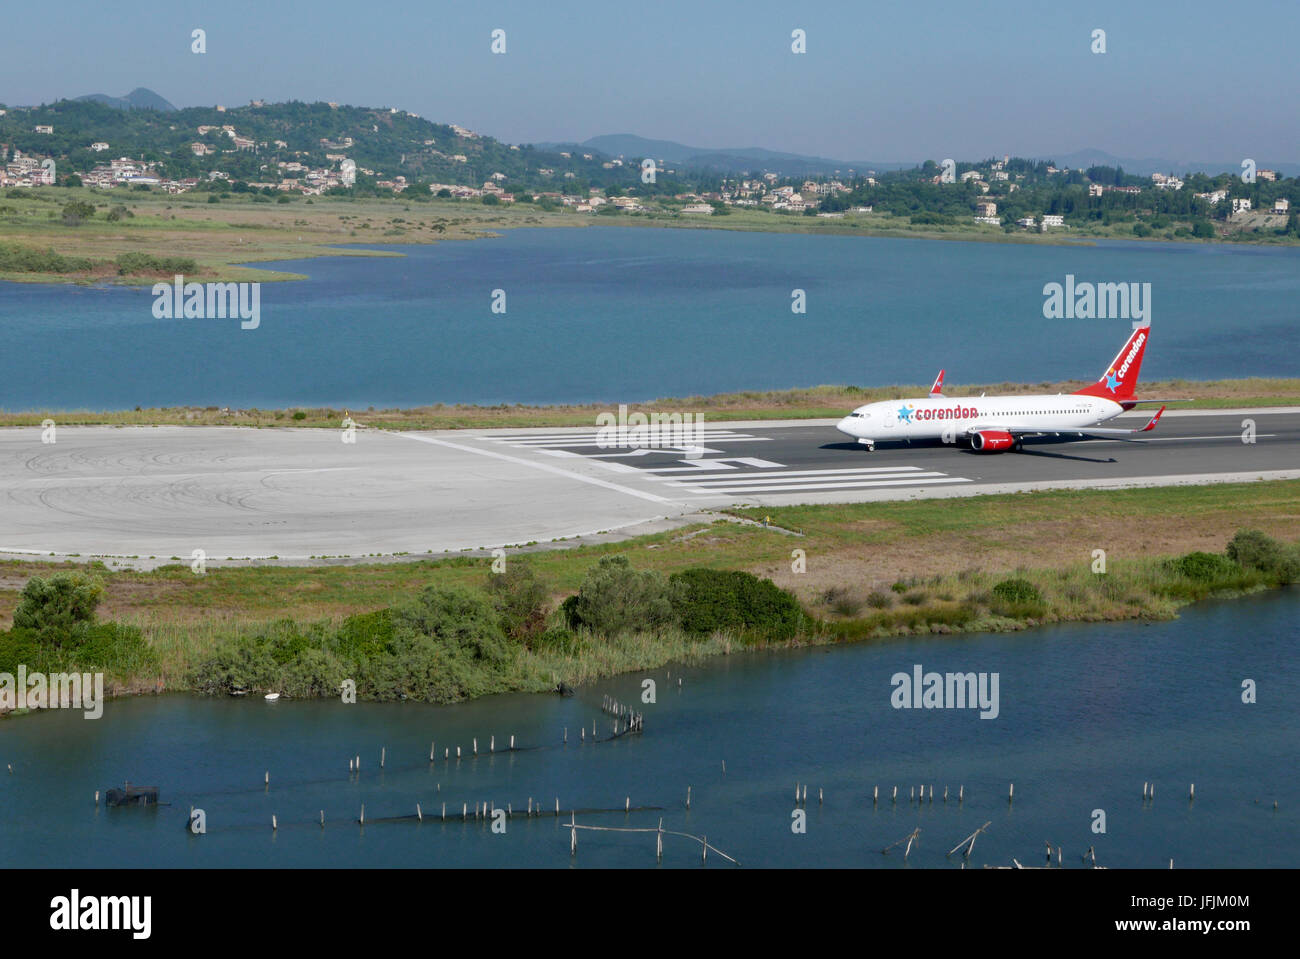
813, 402
210, 241
999, 563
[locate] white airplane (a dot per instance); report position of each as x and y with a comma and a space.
993, 424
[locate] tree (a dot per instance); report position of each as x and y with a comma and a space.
58, 609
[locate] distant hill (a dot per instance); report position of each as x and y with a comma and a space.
722, 160
758, 160
1145, 166
138, 99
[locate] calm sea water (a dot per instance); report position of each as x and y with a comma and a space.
1088, 714
610, 314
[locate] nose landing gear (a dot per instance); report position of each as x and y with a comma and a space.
869, 444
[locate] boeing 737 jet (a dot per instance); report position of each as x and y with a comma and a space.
993, 424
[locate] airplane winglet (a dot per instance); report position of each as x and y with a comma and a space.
937, 388
1154, 420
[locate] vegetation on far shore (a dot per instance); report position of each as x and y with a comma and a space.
816, 402
452, 629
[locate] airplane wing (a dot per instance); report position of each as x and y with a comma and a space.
1025, 429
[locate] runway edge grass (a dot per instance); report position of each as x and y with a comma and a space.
873, 571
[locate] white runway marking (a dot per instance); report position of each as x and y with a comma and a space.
540, 466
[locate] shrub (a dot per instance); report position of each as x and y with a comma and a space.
711, 600
75, 211
299, 415
614, 599
519, 597
1204, 567
60, 608
1255, 550
128, 263
464, 622
1017, 591
364, 636
880, 600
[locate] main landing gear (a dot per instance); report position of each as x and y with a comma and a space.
869, 444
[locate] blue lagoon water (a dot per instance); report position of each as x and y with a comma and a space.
613, 314
1088, 714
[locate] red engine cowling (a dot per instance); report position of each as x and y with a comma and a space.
991, 441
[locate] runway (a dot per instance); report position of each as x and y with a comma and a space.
142, 496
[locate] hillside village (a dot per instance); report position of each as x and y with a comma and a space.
243, 155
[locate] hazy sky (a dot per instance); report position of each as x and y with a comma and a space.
880, 81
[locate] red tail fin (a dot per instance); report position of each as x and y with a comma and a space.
1120, 379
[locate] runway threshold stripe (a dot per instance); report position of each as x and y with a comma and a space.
822, 481
780, 474
831, 485
555, 470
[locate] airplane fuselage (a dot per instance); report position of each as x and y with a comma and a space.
949, 418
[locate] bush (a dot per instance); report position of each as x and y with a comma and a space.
60, 609
711, 600
614, 599
128, 263
75, 211
20, 259
880, 600
1255, 550
463, 622
364, 636
1017, 591
1204, 567
519, 597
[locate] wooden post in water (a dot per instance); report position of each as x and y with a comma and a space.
875, 795
1011, 792
512, 738
492, 744
268, 779
688, 797
476, 746
1191, 792
383, 756
573, 835
458, 752
659, 841
97, 800
464, 811
894, 799
627, 804
432, 743
945, 793
274, 825
358, 763
566, 738
704, 851
444, 812
322, 819
362, 820
419, 814
557, 806
819, 795
961, 793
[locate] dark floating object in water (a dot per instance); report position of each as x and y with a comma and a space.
564, 689
132, 796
